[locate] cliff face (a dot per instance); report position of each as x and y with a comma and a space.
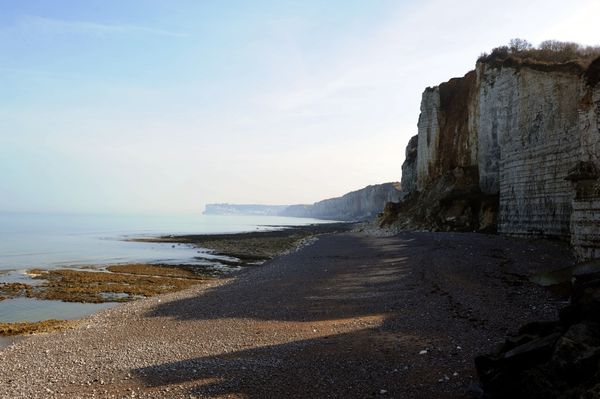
243, 209
529, 132
495, 148
446, 136
409, 168
362, 204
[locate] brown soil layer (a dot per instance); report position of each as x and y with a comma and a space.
351, 316
45, 326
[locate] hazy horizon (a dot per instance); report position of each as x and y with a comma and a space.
151, 106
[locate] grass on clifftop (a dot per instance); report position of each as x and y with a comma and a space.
548, 52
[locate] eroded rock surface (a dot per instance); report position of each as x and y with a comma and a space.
362, 204
494, 150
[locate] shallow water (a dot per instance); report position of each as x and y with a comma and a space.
565, 275
58, 240
48, 241
27, 309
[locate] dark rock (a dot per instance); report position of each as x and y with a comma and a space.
532, 352
578, 351
592, 393
540, 328
453, 202
550, 359
585, 303
475, 391
583, 171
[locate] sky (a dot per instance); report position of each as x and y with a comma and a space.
164, 106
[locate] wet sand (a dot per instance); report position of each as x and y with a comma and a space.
350, 316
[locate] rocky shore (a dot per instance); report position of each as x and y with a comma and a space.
253, 247
553, 359
127, 282
349, 316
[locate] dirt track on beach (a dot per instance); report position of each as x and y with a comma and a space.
350, 316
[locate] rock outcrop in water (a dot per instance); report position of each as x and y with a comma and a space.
363, 204
502, 148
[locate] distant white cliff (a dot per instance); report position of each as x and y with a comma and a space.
243, 209
361, 204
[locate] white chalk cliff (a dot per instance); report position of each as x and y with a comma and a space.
513, 146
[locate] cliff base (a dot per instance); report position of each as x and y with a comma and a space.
453, 202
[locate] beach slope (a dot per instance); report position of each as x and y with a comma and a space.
350, 316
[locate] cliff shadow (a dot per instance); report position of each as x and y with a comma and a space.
373, 362
337, 278
350, 316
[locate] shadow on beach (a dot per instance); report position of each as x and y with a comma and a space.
351, 316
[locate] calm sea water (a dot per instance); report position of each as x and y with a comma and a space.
67, 240
56, 240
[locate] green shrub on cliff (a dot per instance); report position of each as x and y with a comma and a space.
549, 51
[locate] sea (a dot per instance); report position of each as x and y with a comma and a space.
43, 240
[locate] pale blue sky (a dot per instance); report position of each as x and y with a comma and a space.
167, 105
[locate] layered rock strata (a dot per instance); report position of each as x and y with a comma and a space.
366, 203
495, 148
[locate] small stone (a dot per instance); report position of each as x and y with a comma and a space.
423, 352
383, 391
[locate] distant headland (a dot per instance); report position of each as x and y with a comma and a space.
366, 203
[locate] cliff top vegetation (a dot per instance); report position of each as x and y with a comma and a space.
548, 52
